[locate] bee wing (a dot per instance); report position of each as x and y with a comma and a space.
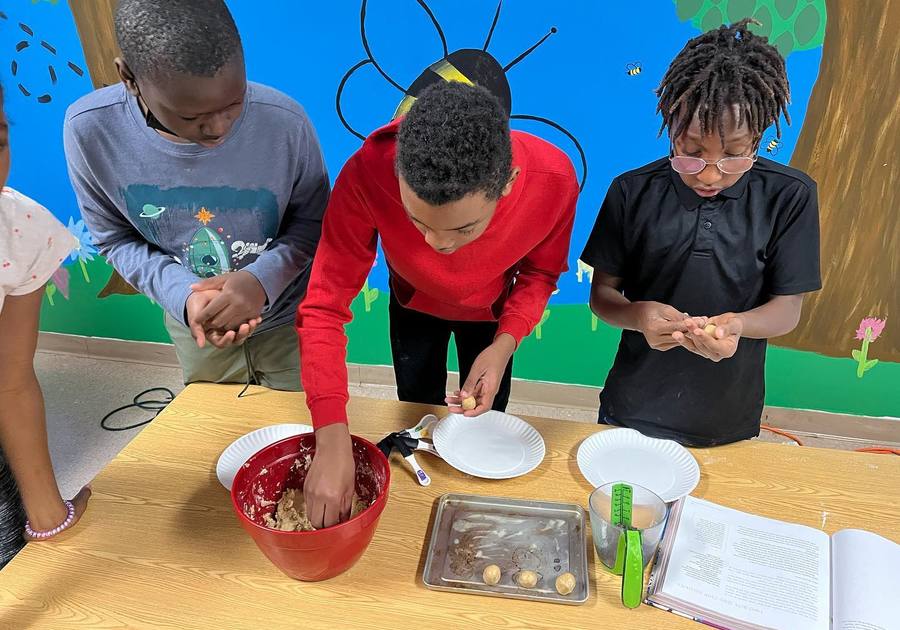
340, 94
382, 22
370, 90
364, 100
577, 145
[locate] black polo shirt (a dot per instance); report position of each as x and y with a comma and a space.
728, 253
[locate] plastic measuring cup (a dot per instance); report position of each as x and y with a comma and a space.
648, 516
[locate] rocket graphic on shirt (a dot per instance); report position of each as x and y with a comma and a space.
211, 230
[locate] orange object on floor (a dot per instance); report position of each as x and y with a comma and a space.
884, 450
780, 432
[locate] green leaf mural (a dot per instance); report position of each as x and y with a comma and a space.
789, 24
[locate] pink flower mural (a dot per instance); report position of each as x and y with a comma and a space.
869, 330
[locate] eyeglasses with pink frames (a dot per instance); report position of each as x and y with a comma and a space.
728, 165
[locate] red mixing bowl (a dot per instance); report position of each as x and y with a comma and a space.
316, 555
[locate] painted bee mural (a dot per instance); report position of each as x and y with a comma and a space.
468, 65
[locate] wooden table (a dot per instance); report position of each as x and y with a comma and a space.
160, 547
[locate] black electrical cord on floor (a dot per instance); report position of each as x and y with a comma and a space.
158, 405
155, 406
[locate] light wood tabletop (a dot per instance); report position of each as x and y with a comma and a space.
160, 546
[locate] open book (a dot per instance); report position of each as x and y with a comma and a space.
734, 570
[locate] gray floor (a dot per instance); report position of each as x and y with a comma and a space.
79, 391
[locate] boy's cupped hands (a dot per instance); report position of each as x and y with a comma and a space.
225, 310
714, 338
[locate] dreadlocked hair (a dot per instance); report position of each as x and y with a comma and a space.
719, 69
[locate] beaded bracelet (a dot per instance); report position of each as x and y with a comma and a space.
70, 517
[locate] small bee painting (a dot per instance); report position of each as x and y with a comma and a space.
773, 145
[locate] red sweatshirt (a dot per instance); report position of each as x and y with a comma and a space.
506, 274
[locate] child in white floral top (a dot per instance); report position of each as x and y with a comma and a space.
32, 246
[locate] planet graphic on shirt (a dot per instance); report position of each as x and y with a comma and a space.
149, 211
207, 254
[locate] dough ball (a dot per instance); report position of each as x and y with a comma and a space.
527, 579
710, 329
491, 575
565, 584
468, 404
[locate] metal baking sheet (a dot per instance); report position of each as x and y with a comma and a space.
471, 532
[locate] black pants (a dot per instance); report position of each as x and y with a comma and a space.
419, 345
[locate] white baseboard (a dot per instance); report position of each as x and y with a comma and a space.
800, 421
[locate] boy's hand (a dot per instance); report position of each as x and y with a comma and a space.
718, 344
227, 338
658, 322
196, 302
241, 299
484, 378
331, 479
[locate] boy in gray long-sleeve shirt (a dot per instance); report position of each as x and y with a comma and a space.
204, 191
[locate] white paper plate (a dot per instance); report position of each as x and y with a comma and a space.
494, 445
663, 466
245, 446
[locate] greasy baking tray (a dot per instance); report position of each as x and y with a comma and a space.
471, 532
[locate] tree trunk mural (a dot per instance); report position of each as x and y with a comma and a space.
850, 144
94, 20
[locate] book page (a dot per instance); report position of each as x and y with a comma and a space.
750, 568
865, 581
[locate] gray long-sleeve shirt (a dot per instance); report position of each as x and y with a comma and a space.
165, 214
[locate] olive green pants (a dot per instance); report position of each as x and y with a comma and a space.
270, 358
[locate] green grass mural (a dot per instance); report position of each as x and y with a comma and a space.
574, 348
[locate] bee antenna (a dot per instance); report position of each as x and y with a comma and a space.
487, 42
529, 51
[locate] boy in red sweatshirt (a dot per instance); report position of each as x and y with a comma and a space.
474, 222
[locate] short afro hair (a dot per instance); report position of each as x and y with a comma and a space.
453, 142
161, 37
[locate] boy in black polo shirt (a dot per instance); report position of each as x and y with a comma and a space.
714, 234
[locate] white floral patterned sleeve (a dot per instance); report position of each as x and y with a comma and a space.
33, 244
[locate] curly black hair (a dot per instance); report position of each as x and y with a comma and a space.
719, 69
455, 141
161, 37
